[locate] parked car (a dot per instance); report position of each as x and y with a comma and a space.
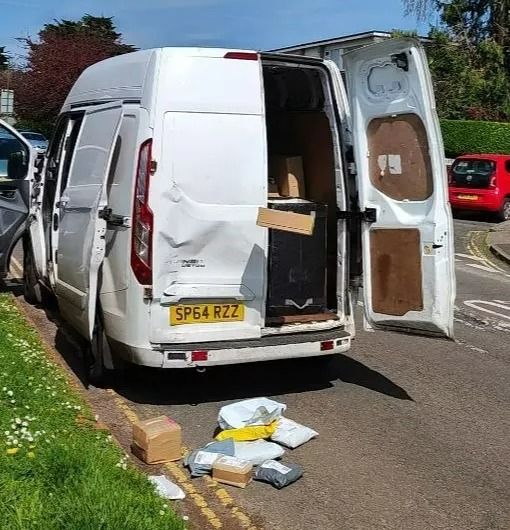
481, 183
38, 141
146, 228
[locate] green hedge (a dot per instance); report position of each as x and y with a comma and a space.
464, 137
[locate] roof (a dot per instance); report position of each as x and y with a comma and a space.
485, 155
338, 40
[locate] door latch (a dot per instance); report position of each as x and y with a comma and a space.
114, 219
368, 216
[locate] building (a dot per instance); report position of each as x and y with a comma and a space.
335, 48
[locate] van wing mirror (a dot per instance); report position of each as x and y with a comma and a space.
17, 166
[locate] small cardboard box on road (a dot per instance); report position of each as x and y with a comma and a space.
233, 471
157, 440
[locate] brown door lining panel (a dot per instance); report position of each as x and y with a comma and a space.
396, 271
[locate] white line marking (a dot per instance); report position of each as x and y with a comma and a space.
482, 267
475, 304
15, 264
470, 256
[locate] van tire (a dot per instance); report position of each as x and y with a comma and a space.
504, 213
97, 373
31, 287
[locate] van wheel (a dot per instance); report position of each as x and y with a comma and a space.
31, 287
97, 373
504, 213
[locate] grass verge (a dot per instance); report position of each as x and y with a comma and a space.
57, 471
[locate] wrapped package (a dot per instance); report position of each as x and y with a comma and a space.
246, 434
256, 411
279, 474
292, 434
258, 452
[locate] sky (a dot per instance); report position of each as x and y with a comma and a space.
255, 24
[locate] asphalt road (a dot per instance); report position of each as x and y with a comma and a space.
414, 432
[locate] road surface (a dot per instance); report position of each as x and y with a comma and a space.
414, 432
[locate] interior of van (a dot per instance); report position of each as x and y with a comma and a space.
300, 137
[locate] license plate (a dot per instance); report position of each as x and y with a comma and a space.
205, 313
468, 197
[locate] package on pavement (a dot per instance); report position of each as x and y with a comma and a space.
157, 440
292, 434
200, 462
166, 488
258, 451
279, 474
256, 411
233, 471
247, 434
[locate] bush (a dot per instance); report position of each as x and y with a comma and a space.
464, 137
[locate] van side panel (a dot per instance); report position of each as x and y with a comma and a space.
210, 145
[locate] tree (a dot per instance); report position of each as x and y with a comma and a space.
469, 57
54, 62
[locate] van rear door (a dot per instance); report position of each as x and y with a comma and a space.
209, 255
17, 161
408, 260
81, 232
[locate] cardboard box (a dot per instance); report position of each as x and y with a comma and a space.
157, 440
233, 471
286, 221
288, 174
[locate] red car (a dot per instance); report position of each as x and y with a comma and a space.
481, 183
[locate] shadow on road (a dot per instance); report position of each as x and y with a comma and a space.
165, 387
251, 380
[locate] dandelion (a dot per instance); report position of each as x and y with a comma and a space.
161, 512
10, 393
31, 454
12, 451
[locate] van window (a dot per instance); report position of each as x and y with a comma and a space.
507, 166
473, 172
70, 144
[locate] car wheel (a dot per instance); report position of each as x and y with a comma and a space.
504, 213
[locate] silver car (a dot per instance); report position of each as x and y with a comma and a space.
38, 141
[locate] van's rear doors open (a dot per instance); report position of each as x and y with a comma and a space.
409, 278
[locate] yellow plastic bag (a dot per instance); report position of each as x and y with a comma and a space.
247, 434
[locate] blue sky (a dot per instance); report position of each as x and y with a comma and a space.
262, 24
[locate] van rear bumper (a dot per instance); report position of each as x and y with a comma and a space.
270, 348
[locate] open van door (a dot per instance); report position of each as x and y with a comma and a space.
407, 235
81, 231
17, 161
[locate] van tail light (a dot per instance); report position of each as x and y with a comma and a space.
492, 182
243, 56
142, 226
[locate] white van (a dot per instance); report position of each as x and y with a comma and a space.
143, 222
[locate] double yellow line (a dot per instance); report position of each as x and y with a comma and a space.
473, 248
185, 483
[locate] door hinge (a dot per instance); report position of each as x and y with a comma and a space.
114, 219
368, 216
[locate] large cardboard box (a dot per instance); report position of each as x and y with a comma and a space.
286, 221
157, 440
233, 471
288, 173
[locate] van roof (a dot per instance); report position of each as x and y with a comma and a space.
124, 77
